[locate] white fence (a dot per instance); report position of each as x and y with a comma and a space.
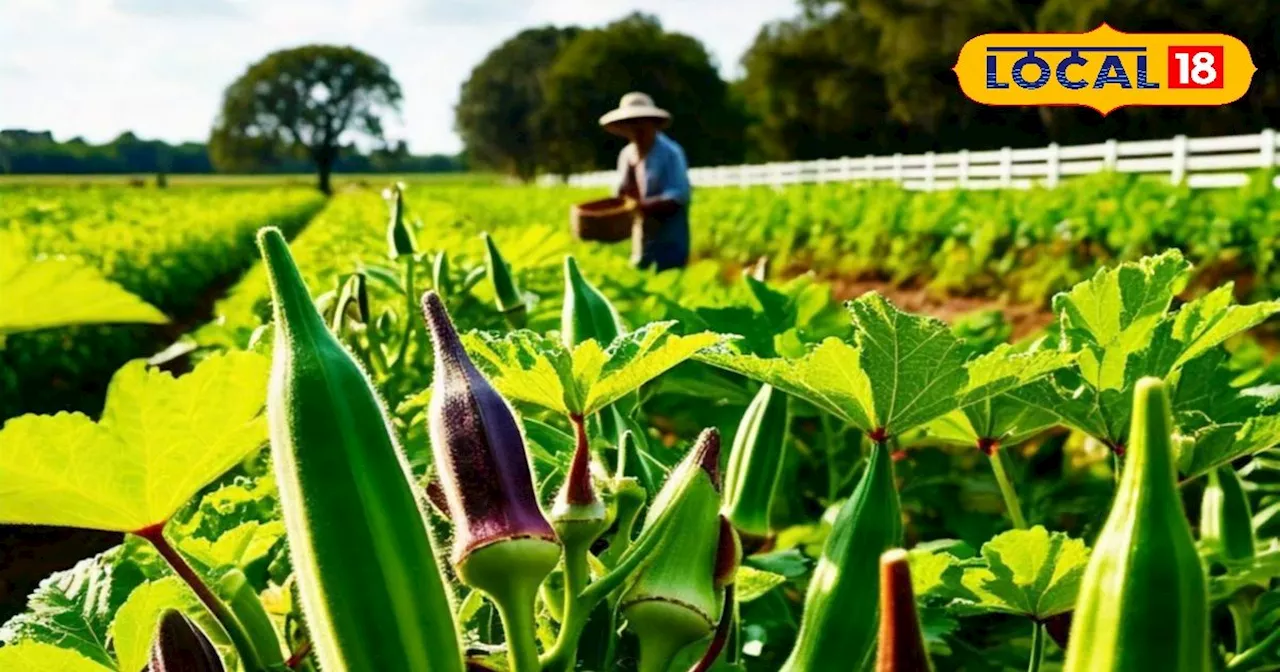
1199, 162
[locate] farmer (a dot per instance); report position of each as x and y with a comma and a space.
652, 170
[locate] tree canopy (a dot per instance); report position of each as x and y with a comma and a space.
307, 102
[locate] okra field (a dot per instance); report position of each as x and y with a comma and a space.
423, 428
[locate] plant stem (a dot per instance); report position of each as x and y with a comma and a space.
1037, 647
221, 612
563, 655
1241, 620
999, 459
410, 309
1250, 657
516, 611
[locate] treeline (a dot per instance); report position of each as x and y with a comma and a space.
843, 77
38, 153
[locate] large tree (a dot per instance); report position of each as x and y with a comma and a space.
636, 54
303, 102
499, 112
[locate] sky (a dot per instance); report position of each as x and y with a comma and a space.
96, 68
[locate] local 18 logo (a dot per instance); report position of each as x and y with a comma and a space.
1104, 69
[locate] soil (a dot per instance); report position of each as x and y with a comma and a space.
1026, 319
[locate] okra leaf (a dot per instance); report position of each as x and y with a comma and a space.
916, 362
530, 368
930, 572
1033, 573
45, 292
135, 623
73, 609
160, 440
238, 547
993, 403
1215, 445
1256, 571
754, 583
1113, 314
39, 656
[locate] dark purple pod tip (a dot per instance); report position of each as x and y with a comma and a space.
180, 646
707, 454
444, 337
728, 554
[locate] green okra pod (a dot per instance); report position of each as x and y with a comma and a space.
181, 646
587, 313
901, 643
248, 609
400, 238
1226, 520
366, 571
674, 599
507, 295
441, 280
841, 609
755, 462
1143, 601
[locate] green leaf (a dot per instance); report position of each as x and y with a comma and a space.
530, 368
135, 624
995, 404
161, 439
1033, 573
929, 572
916, 362
1256, 571
46, 292
1113, 314
237, 547
1216, 445
754, 583
73, 609
39, 657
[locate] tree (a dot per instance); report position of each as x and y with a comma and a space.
499, 112
303, 102
636, 54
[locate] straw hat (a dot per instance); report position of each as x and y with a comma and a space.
636, 105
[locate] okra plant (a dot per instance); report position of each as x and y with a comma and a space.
425, 473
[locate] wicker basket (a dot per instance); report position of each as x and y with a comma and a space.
607, 220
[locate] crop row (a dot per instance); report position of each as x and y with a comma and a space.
172, 248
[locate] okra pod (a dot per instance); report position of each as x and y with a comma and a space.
587, 313
248, 609
1143, 601
759, 450
509, 300
1226, 520
366, 571
841, 608
400, 239
503, 544
180, 646
674, 599
901, 647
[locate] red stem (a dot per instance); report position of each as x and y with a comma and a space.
155, 535
298, 656
580, 489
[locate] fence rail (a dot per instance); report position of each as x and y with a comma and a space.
1199, 162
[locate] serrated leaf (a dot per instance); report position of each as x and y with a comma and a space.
1112, 315
1215, 445
135, 625
916, 364
753, 583
73, 609
238, 547
46, 292
1033, 573
39, 657
994, 405
929, 572
160, 440
530, 368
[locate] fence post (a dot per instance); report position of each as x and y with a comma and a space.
930, 175
1111, 155
1054, 170
775, 178
897, 168
1269, 148
1178, 172
1006, 166
870, 165
962, 169
846, 168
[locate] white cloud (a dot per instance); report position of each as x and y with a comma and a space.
158, 67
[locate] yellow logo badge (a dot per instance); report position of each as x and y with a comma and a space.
1104, 69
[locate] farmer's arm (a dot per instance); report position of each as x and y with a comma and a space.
620, 190
674, 193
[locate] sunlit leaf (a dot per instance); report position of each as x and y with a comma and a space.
39, 657
1033, 573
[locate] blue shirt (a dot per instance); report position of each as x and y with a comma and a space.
665, 174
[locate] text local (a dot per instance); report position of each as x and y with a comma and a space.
1112, 71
